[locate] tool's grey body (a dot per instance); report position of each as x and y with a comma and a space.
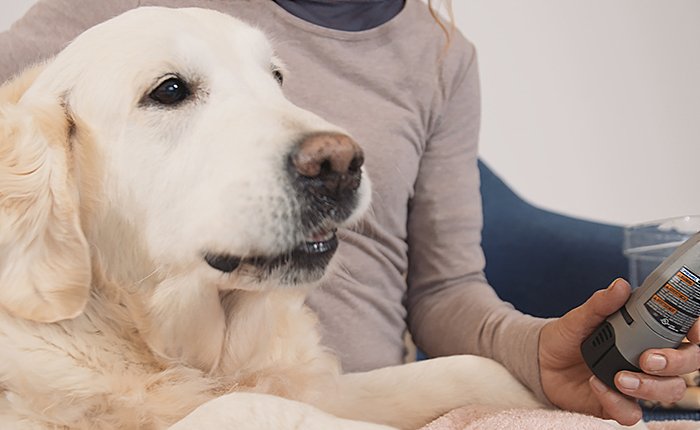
658, 315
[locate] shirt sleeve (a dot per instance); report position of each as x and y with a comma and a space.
48, 27
451, 307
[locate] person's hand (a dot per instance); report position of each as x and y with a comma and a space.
569, 384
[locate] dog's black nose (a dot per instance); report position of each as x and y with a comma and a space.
328, 163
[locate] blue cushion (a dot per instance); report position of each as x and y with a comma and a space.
542, 262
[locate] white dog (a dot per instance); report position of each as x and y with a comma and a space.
163, 212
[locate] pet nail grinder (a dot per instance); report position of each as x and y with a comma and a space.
658, 314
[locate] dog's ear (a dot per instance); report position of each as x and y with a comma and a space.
45, 269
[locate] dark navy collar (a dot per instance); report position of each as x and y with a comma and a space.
344, 15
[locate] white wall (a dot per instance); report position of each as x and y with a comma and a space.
591, 108
10, 10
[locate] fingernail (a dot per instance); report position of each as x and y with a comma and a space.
597, 385
628, 382
656, 362
613, 284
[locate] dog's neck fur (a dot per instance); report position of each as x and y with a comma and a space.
264, 342
198, 328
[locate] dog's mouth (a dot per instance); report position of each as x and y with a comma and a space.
312, 255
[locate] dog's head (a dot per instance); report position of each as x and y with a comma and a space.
160, 141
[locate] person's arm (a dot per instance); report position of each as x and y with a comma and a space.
48, 27
452, 309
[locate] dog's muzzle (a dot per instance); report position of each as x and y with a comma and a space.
325, 172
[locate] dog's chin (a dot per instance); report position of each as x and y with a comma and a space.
302, 265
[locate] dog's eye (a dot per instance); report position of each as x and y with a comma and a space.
277, 74
172, 91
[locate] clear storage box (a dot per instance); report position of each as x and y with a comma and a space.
647, 245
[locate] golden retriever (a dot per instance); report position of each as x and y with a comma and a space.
164, 210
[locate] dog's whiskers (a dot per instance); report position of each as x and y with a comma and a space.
140, 281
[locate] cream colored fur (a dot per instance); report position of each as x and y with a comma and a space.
109, 316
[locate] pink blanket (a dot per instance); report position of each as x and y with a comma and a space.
486, 418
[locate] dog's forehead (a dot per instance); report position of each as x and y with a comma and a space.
185, 29
123, 58
151, 35
136, 48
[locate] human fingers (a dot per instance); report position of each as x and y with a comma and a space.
587, 317
693, 334
671, 362
660, 388
624, 410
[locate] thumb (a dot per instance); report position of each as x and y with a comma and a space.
581, 322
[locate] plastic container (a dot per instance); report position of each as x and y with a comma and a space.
647, 245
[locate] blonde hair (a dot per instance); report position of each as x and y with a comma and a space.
448, 26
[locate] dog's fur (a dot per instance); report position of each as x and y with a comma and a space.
110, 318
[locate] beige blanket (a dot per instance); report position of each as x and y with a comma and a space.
486, 418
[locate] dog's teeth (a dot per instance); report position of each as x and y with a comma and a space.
318, 247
